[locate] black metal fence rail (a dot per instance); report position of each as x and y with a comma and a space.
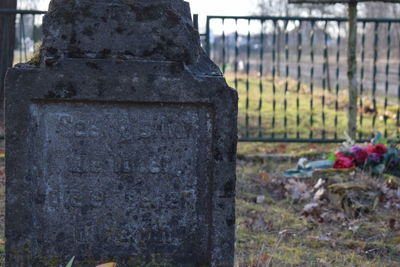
291, 75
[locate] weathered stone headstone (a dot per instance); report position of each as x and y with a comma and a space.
121, 142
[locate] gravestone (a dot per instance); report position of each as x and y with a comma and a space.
121, 142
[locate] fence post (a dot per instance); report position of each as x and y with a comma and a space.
196, 21
7, 41
352, 70
208, 32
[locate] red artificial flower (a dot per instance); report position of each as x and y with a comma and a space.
344, 163
361, 155
379, 149
339, 155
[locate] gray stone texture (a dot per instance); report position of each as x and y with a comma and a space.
121, 142
157, 29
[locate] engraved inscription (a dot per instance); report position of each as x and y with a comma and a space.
125, 176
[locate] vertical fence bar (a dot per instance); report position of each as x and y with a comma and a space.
273, 79
5, 60
261, 84
236, 54
398, 99
388, 52
337, 86
214, 52
248, 79
311, 136
285, 101
362, 77
398, 96
299, 54
208, 36
223, 47
374, 76
23, 37
20, 38
195, 21
325, 80
34, 32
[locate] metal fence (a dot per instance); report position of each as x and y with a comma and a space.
290, 73
28, 32
291, 76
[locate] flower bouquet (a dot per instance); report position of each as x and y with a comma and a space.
375, 157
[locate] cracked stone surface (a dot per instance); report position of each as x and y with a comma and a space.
121, 142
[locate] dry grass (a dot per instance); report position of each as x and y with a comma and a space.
257, 112
274, 234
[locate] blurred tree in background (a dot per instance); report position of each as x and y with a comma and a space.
282, 8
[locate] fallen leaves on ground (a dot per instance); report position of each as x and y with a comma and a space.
108, 264
334, 218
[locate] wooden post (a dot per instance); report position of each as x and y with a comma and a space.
352, 70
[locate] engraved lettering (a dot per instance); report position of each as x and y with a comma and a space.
64, 124
125, 134
155, 167
173, 200
177, 130
85, 129
54, 199
84, 234
137, 183
97, 199
96, 166
189, 200
77, 164
82, 164
146, 129
76, 199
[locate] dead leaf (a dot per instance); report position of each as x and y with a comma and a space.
322, 262
263, 259
258, 223
264, 176
260, 199
313, 211
354, 228
320, 183
321, 194
281, 148
392, 223
108, 264
297, 190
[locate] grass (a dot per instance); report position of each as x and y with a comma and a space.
273, 232
315, 115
